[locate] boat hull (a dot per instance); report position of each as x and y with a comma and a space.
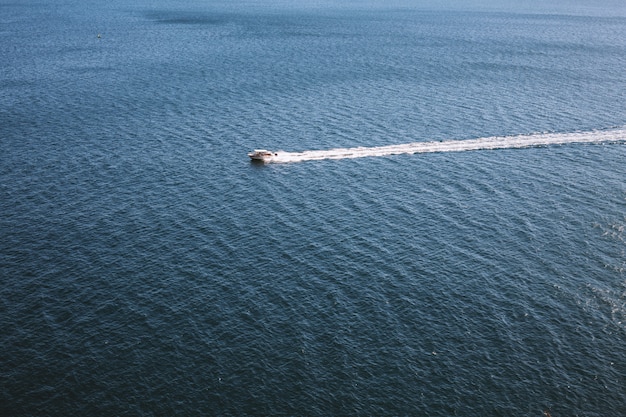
262, 155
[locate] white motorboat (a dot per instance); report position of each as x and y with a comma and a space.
262, 155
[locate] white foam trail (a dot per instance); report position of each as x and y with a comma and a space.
496, 142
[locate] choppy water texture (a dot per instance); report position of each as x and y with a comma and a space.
148, 268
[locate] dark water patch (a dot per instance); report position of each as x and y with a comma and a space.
182, 17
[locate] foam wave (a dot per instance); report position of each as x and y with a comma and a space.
496, 142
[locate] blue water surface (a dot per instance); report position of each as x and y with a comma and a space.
148, 268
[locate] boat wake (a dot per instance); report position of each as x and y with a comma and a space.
616, 135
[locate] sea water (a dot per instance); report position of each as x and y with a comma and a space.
149, 268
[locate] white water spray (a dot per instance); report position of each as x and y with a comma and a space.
616, 135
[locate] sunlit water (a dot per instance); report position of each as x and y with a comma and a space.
149, 268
